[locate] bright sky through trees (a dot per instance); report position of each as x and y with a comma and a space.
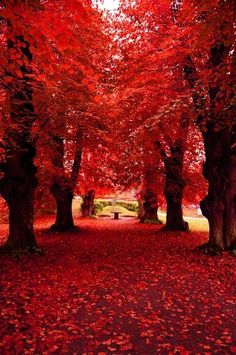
109, 4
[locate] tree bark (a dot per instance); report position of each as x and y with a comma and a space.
174, 216
87, 207
175, 183
63, 185
140, 209
174, 188
218, 130
150, 207
229, 228
63, 196
151, 181
19, 181
18, 188
219, 206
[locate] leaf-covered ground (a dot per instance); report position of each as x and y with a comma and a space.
118, 287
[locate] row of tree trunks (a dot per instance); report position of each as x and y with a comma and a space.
219, 134
174, 182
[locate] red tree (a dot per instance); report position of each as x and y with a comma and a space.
17, 186
211, 82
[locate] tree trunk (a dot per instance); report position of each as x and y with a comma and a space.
88, 208
63, 196
218, 128
219, 206
140, 209
150, 207
174, 216
18, 188
21, 233
174, 182
230, 205
19, 181
174, 185
63, 185
149, 195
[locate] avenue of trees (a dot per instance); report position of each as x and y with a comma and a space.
142, 98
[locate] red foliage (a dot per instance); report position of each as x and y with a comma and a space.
120, 287
114, 86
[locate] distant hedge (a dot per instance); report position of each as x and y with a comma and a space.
100, 204
98, 207
130, 206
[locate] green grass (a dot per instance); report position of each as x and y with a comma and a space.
108, 211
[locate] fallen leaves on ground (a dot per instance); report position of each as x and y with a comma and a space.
117, 287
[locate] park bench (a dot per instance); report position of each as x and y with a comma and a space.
116, 215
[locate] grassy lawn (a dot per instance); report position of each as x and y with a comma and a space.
195, 223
